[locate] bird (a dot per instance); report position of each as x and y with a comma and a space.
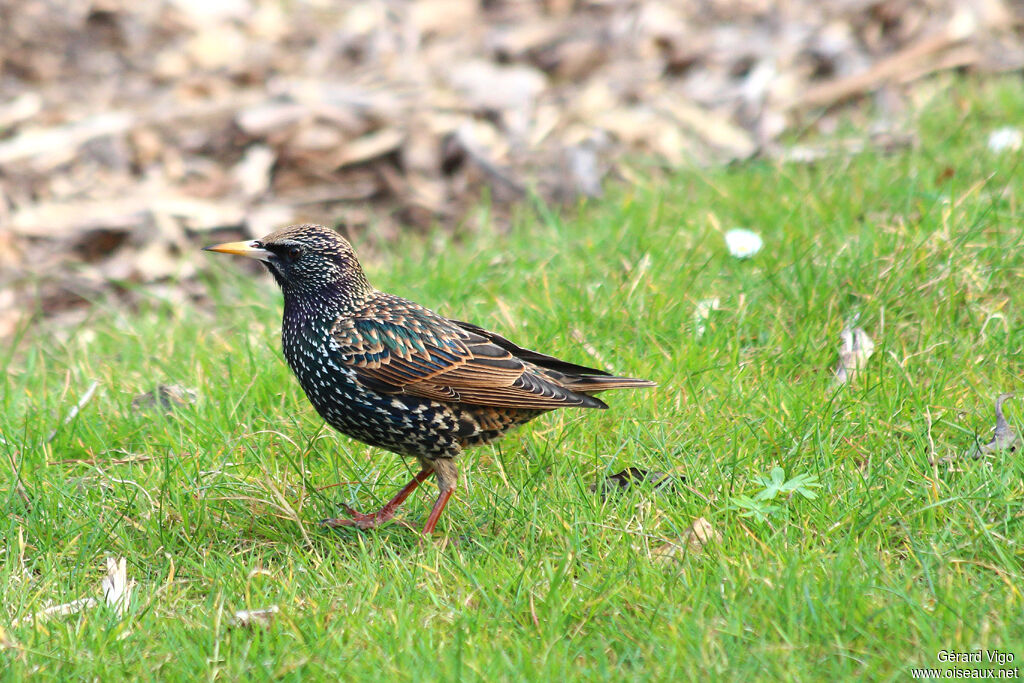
395, 375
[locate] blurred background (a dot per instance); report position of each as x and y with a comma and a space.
131, 132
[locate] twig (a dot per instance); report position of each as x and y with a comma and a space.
960, 27
116, 461
86, 397
73, 607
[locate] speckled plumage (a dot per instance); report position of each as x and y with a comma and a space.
395, 375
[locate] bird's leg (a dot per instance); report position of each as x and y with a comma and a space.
375, 519
447, 476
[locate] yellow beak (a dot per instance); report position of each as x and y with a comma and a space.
250, 249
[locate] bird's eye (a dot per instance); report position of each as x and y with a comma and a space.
294, 253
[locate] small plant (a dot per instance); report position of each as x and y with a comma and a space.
760, 507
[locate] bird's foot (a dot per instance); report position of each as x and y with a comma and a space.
360, 520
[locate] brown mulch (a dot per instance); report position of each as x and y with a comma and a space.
130, 130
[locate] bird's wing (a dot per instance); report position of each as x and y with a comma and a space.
398, 347
541, 359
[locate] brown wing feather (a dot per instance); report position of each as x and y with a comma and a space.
396, 346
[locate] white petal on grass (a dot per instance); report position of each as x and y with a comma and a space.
256, 617
743, 243
116, 589
1005, 139
702, 312
854, 351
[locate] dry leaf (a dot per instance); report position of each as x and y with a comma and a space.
50, 147
488, 86
21, 108
699, 534
260, 120
217, 46
712, 128
200, 12
368, 147
584, 170
854, 351
263, 219
317, 137
442, 17
252, 173
166, 397
116, 589
257, 617
73, 607
157, 261
1004, 438
702, 312
6, 642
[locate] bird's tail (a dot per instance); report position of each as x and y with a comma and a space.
594, 383
588, 385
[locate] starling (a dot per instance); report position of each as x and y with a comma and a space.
395, 375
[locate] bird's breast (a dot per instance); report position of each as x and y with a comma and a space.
402, 424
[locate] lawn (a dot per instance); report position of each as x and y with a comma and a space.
901, 553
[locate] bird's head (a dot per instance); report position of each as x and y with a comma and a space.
305, 259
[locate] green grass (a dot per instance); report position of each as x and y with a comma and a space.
215, 505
